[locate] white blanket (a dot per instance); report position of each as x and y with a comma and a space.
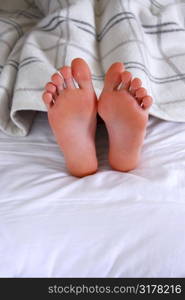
39, 36
110, 224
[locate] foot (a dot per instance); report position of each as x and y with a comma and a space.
72, 114
124, 106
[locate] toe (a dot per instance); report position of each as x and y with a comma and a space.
140, 94
147, 102
47, 98
135, 85
113, 76
68, 78
50, 87
58, 81
126, 78
81, 73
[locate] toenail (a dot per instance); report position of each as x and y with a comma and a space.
75, 83
120, 86
58, 72
61, 75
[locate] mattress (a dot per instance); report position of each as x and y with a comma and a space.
109, 224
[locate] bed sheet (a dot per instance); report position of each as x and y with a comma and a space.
109, 224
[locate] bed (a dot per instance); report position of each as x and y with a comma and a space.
109, 224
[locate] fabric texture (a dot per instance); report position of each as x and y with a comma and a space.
39, 36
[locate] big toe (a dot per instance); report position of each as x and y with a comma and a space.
81, 73
113, 76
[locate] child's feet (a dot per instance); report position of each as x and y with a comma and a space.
125, 112
72, 116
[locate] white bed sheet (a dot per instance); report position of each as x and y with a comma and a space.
109, 224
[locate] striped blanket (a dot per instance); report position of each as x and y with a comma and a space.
39, 36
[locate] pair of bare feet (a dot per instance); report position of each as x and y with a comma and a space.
72, 114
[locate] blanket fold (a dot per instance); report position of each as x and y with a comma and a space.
37, 37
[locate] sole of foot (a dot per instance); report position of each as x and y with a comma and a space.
124, 106
72, 112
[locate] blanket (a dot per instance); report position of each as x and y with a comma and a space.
37, 37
